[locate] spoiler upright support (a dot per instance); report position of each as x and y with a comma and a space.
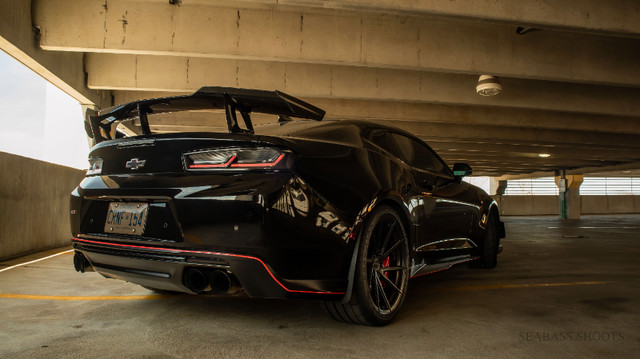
230, 107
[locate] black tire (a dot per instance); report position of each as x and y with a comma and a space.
381, 274
489, 255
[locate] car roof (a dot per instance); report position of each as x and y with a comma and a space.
330, 129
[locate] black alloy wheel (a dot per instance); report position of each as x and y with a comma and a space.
381, 275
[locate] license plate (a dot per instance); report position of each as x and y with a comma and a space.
126, 218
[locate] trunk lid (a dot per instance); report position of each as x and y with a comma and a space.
166, 153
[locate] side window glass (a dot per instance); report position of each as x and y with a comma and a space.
405, 147
386, 140
427, 160
418, 155
408, 150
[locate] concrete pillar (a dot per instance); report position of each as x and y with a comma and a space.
497, 189
502, 186
573, 196
569, 194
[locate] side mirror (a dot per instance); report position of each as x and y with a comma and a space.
461, 170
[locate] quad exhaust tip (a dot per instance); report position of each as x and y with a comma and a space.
195, 280
223, 283
81, 263
214, 281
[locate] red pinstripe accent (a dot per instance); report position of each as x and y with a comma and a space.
209, 253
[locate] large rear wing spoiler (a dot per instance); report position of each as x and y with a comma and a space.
232, 100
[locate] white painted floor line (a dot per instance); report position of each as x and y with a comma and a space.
34, 261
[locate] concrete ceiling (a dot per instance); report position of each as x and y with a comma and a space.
571, 79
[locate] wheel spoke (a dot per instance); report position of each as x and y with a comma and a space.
392, 269
376, 290
381, 291
389, 282
393, 247
387, 237
371, 278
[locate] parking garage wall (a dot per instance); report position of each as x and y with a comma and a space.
548, 205
34, 204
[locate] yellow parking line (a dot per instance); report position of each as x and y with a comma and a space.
512, 286
163, 296
73, 297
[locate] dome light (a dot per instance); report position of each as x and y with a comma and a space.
488, 86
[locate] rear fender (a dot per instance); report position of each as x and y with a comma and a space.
391, 199
489, 212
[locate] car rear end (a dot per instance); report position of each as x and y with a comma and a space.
202, 212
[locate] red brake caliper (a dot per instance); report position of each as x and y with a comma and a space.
385, 264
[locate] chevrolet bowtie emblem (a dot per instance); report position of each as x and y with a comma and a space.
135, 163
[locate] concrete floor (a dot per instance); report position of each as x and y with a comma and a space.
561, 290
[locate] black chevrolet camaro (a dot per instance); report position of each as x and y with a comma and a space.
341, 211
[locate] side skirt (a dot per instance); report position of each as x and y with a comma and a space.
421, 269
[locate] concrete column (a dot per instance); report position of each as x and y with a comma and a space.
502, 186
497, 188
573, 196
569, 194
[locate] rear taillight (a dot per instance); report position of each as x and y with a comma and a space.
95, 166
258, 158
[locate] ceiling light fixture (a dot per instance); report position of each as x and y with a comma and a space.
488, 86
544, 155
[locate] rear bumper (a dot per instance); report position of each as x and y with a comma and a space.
163, 268
279, 219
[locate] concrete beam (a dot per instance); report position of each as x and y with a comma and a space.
616, 18
475, 115
335, 38
553, 161
591, 171
503, 172
630, 166
508, 149
63, 69
615, 173
515, 158
182, 74
523, 135
525, 175
601, 151
533, 162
